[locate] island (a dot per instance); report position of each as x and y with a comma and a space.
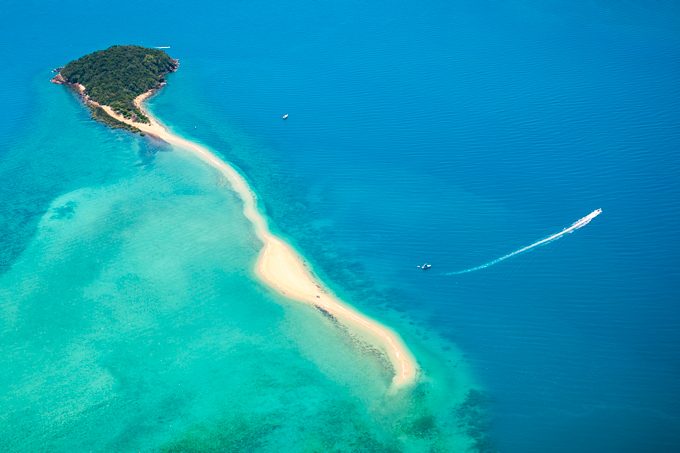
114, 83
115, 77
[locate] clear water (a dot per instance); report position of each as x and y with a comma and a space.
450, 132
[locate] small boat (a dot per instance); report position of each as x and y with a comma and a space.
424, 267
284, 117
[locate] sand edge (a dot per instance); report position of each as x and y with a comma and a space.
278, 264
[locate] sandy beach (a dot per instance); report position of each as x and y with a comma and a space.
280, 266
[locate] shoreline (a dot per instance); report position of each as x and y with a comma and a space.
279, 265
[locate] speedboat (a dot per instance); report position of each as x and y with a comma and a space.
424, 267
284, 117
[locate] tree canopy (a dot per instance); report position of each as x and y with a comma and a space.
117, 75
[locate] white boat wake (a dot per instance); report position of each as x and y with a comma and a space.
580, 223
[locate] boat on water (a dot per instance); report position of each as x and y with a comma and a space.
284, 117
424, 266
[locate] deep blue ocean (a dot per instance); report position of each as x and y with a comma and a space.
451, 132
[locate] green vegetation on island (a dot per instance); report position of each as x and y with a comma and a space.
116, 76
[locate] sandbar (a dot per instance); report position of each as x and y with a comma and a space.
278, 264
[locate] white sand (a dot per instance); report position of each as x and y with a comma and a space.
281, 267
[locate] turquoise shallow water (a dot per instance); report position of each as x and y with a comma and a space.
452, 132
132, 321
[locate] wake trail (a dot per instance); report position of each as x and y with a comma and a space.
580, 223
